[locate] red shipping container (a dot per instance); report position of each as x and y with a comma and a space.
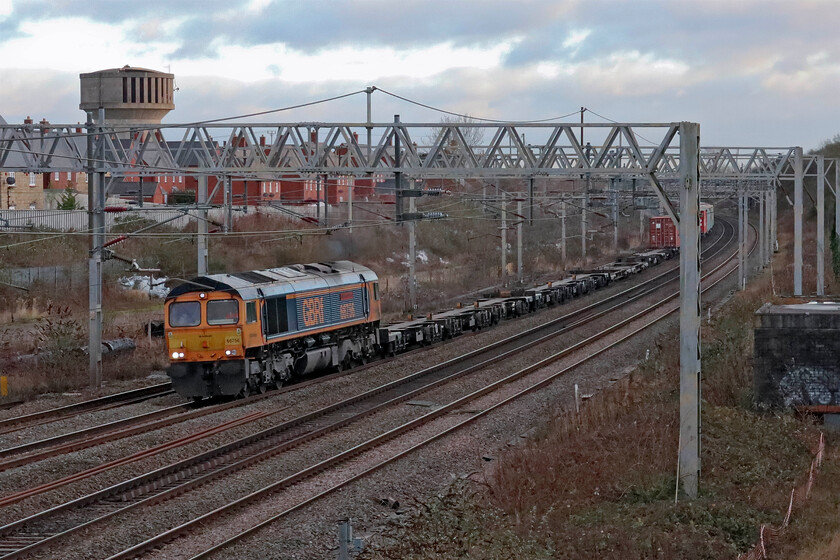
663, 233
707, 217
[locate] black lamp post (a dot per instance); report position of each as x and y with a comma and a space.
10, 182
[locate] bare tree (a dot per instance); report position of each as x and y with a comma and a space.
462, 134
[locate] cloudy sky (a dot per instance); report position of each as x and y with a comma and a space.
750, 72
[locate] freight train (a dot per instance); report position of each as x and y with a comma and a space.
233, 334
663, 232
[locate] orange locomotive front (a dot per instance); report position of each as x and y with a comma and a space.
230, 334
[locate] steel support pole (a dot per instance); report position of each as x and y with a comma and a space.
614, 215
228, 205
563, 232
201, 237
689, 452
642, 227
326, 192
412, 252
96, 222
774, 225
820, 225
741, 220
318, 199
837, 197
350, 206
398, 190
761, 238
769, 195
369, 91
519, 232
504, 241
530, 201
797, 221
583, 222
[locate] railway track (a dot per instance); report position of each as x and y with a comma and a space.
356, 462
37, 531
31, 452
102, 403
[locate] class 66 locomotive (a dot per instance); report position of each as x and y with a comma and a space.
233, 334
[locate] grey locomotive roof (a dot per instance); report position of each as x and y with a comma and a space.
278, 281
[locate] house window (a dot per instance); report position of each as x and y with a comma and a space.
69, 175
31, 179
55, 175
181, 179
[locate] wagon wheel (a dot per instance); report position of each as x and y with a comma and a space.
246, 391
263, 387
347, 362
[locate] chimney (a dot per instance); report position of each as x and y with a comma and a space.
27, 120
262, 140
356, 136
44, 126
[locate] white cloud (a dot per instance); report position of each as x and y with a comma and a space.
49, 44
55, 44
341, 64
575, 38
622, 73
818, 72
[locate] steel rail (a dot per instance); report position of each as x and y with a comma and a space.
377, 440
118, 399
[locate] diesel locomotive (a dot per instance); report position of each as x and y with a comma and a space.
230, 334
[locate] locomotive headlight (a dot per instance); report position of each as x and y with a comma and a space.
230, 352
174, 355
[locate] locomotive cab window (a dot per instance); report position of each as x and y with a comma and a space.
185, 314
376, 291
222, 312
276, 320
251, 312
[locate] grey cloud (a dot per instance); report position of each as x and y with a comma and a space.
320, 24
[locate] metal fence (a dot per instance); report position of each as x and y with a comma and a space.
55, 276
77, 220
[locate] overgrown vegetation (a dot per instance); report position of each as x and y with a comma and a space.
601, 484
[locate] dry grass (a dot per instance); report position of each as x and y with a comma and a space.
601, 484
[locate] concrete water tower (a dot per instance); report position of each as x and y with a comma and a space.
128, 95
